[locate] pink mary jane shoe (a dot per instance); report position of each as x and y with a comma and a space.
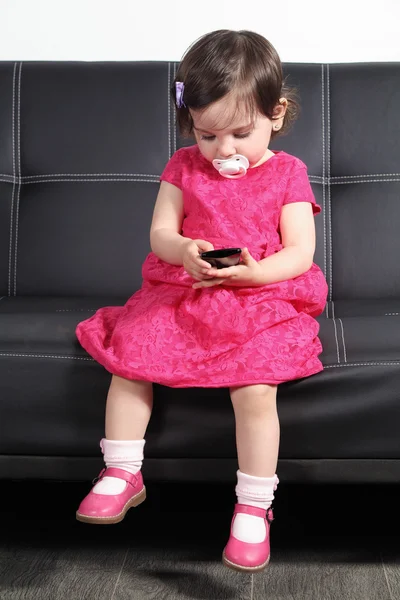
243, 556
105, 509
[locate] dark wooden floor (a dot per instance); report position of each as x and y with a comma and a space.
339, 543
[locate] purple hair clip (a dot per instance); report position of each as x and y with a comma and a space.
179, 89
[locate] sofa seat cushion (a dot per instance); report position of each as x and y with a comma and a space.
35, 325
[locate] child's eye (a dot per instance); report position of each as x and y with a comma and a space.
208, 138
241, 136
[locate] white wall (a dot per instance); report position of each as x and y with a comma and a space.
301, 30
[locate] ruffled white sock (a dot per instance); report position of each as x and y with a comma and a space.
253, 491
126, 455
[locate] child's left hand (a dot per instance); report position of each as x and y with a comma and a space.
248, 273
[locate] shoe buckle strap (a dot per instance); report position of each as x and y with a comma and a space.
122, 474
255, 511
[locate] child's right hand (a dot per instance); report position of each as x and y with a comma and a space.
192, 262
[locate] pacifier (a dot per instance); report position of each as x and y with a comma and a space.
234, 167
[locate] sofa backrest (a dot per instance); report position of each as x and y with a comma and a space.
82, 146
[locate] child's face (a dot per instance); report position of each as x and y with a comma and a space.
220, 133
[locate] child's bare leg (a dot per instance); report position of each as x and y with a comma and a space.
257, 439
257, 429
128, 410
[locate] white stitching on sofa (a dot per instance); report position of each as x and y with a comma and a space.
391, 314
169, 110
91, 175
39, 179
367, 175
13, 190
19, 180
90, 180
363, 181
17, 354
344, 345
318, 178
75, 309
365, 364
329, 181
337, 341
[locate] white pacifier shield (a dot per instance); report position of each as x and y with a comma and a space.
234, 167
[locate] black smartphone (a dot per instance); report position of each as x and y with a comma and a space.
226, 257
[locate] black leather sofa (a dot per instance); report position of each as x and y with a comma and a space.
82, 146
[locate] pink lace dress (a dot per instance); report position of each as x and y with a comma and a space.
171, 334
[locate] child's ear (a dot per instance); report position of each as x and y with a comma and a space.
280, 108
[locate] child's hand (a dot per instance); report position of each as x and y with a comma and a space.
193, 263
247, 273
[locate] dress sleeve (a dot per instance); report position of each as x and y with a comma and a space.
173, 170
299, 189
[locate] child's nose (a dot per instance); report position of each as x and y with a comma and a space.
226, 149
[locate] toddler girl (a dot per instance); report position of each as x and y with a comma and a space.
247, 327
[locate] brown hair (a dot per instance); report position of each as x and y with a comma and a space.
239, 62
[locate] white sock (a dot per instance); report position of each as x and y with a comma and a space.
253, 491
126, 455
